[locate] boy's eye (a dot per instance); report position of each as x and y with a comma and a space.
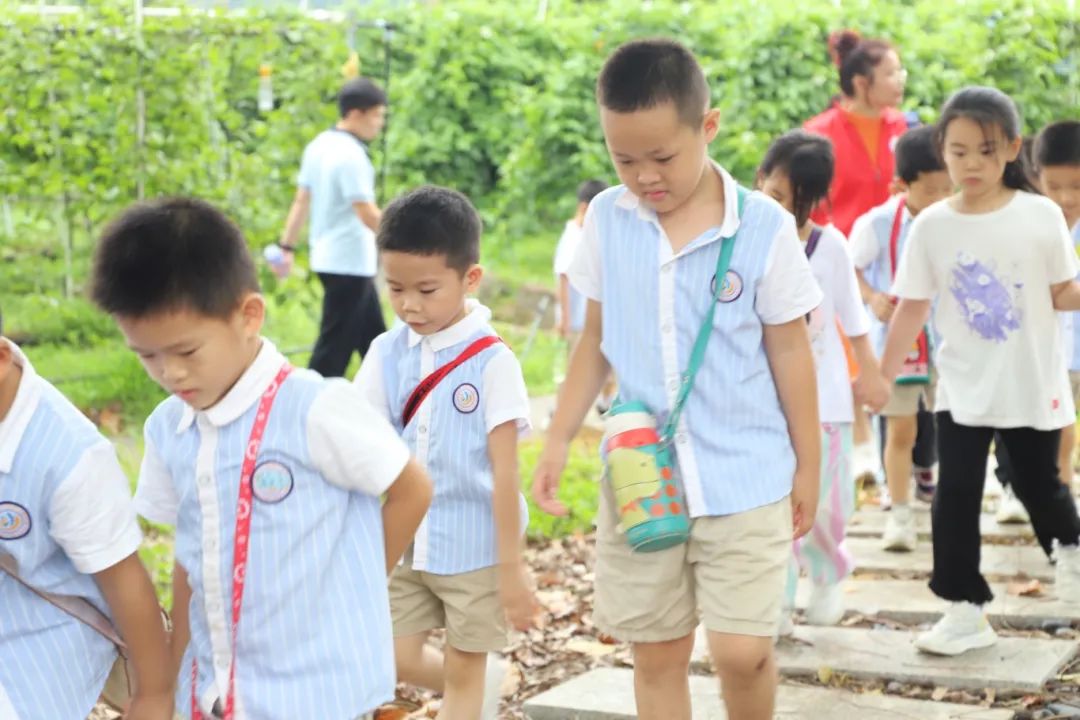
188, 353
625, 162
428, 291
664, 160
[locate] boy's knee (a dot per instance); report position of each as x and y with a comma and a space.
901, 432
741, 658
655, 662
464, 668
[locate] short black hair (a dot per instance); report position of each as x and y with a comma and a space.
589, 189
1058, 144
807, 159
645, 73
172, 254
360, 94
917, 153
432, 220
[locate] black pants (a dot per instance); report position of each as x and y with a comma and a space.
351, 319
963, 453
924, 454
1005, 473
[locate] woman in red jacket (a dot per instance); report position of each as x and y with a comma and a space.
863, 125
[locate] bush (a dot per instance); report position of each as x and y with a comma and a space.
579, 490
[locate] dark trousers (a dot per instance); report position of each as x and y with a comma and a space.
924, 454
963, 452
1005, 473
351, 319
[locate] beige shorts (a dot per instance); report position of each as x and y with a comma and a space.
904, 401
1074, 381
467, 605
730, 575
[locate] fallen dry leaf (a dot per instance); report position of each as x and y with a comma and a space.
939, 694
1028, 588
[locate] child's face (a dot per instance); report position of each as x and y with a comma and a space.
426, 293
777, 185
927, 189
196, 357
657, 156
1061, 183
976, 157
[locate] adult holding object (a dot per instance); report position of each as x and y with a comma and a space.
863, 125
336, 188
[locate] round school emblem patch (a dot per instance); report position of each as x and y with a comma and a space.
732, 288
272, 482
466, 398
14, 521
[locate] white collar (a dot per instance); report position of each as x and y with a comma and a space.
730, 224
245, 393
13, 427
476, 317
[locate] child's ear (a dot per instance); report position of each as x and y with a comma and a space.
1014, 148
898, 186
711, 125
473, 276
7, 358
253, 313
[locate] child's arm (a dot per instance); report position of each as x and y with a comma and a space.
130, 595
1066, 295
517, 597
405, 505
880, 303
564, 306
584, 378
791, 360
907, 322
181, 623
298, 214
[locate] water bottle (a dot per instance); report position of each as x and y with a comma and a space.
650, 503
275, 257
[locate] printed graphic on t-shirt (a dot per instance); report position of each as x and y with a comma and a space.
986, 301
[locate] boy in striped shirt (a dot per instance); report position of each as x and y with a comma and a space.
457, 396
271, 475
68, 527
747, 448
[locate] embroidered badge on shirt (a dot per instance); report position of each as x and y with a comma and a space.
14, 521
272, 482
732, 289
466, 398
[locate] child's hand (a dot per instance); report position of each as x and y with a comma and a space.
804, 501
516, 595
871, 389
545, 485
151, 707
883, 306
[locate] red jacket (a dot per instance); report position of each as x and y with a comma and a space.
858, 185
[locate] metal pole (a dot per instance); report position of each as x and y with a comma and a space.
140, 107
384, 162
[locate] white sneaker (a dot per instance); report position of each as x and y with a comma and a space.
826, 606
1010, 509
1067, 573
963, 627
494, 675
900, 535
865, 460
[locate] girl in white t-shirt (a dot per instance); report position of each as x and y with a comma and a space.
998, 260
796, 172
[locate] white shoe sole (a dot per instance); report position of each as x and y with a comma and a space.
984, 639
900, 545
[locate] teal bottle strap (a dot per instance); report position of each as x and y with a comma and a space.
697, 355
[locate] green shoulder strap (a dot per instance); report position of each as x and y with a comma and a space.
697, 355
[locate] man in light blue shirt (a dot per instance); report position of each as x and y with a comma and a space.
336, 188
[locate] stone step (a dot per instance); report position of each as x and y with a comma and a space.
1014, 663
608, 694
870, 522
997, 560
910, 601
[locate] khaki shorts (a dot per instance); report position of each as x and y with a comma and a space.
467, 605
730, 575
1074, 381
904, 401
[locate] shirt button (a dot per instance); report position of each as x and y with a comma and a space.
667, 327
423, 429
673, 385
204, 480
667, 269
681, 438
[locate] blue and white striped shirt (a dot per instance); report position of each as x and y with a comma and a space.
65, 514
449, 434
732, 445
315, 633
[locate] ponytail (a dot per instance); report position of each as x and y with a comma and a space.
1016, 177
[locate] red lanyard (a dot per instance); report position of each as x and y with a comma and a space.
894, 234
240, 541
